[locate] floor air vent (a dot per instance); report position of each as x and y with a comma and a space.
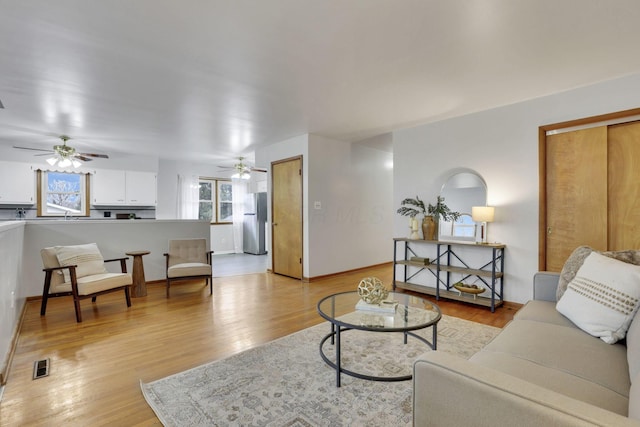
40, 368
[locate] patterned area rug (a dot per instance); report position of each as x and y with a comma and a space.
286, 383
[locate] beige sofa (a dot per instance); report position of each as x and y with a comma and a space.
541, 370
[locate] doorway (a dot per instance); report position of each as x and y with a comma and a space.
286, 217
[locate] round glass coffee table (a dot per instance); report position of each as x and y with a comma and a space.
411, 313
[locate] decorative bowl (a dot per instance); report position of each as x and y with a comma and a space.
461, 287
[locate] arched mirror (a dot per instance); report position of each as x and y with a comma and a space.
461, 191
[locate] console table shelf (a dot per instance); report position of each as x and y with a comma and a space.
491, 274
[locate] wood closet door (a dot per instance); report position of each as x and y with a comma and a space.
286, 214
624, 186
576, 193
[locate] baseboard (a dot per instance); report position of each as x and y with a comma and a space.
6, 366
326, 276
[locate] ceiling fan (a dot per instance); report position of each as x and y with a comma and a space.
65, 155
241, 169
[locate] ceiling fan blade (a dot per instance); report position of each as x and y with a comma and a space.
102, 156
83, 158
50, 153
258, 170
33, 149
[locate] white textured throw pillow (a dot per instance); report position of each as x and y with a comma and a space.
603, 297
87, 257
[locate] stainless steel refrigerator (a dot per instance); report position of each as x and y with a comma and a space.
255, 223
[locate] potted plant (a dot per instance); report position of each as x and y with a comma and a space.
431, 214
437, 212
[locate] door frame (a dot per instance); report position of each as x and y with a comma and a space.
275, 162
600, 120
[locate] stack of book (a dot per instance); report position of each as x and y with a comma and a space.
386, 306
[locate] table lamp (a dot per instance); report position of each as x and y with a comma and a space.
483, 215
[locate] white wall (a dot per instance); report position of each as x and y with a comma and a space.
11, 299
353, 227
353, 184
501, 145
222, 239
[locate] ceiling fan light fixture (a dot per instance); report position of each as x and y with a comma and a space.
76, 163
64, 163
52, 160
241, 175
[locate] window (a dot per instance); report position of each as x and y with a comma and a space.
225, 201
216, 200
62, 194
206, 200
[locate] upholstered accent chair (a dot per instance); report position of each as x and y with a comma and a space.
189, 259
79, 271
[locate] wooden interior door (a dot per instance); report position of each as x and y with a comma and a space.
286, 215
624, 186
576, 193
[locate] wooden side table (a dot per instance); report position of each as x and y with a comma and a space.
139, 288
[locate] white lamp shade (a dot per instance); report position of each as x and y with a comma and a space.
64, 163
482, 213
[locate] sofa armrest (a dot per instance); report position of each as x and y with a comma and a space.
545, 284
451, 391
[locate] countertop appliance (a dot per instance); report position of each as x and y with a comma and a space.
254, 224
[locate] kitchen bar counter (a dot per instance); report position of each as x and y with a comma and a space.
113, 236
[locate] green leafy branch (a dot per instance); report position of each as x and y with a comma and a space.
419, 208
442, 211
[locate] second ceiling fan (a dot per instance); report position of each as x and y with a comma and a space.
241, 169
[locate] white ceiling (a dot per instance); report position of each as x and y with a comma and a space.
219, 78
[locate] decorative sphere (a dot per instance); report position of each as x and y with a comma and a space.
372, 291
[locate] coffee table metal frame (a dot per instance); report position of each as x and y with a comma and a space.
338, 326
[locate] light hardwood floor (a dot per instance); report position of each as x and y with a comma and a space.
96, 366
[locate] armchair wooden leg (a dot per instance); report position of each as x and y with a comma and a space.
127, 295
210, 280
43, 306
168, 285
76, 302
45, 293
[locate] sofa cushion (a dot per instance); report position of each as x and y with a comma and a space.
87, 258
603, 297
633, 347
634, 398
563, 359
95, 283
554, 380
543, 311
577, 257
189, 269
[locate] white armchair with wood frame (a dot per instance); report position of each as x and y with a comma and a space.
189, 259
79, 271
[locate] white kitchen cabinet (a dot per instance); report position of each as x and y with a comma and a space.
109, 187
17, 184
141, 188
124, 188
